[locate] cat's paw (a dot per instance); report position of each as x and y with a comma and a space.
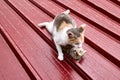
60, 57
40, 25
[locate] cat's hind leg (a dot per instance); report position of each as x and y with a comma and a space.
47, 25
44, 24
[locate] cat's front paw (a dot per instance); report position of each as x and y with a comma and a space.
60, 57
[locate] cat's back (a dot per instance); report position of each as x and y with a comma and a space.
61, 21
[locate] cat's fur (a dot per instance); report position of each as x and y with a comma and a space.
64, 31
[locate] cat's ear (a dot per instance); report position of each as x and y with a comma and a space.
82, 28
70, 34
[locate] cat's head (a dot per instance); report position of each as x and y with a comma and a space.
77, 53
76, 36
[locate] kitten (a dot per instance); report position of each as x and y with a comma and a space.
64, 31
77, 53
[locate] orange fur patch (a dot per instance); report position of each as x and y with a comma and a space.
76, 40
63, 25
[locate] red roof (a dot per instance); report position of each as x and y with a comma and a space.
28, 52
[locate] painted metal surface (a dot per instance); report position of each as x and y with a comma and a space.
31, 52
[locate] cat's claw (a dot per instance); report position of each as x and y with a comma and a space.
60, 58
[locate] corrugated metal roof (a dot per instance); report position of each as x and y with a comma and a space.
28, 52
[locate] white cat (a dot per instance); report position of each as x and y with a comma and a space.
64, 31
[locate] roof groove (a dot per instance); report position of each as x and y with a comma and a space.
100, 48
92, 19
74, 74
104, 9
20, 22
46, 5
116, 2
22, 59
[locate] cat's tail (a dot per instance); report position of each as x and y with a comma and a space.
67, 12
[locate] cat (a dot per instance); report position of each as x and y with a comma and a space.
64, 31
75, 53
